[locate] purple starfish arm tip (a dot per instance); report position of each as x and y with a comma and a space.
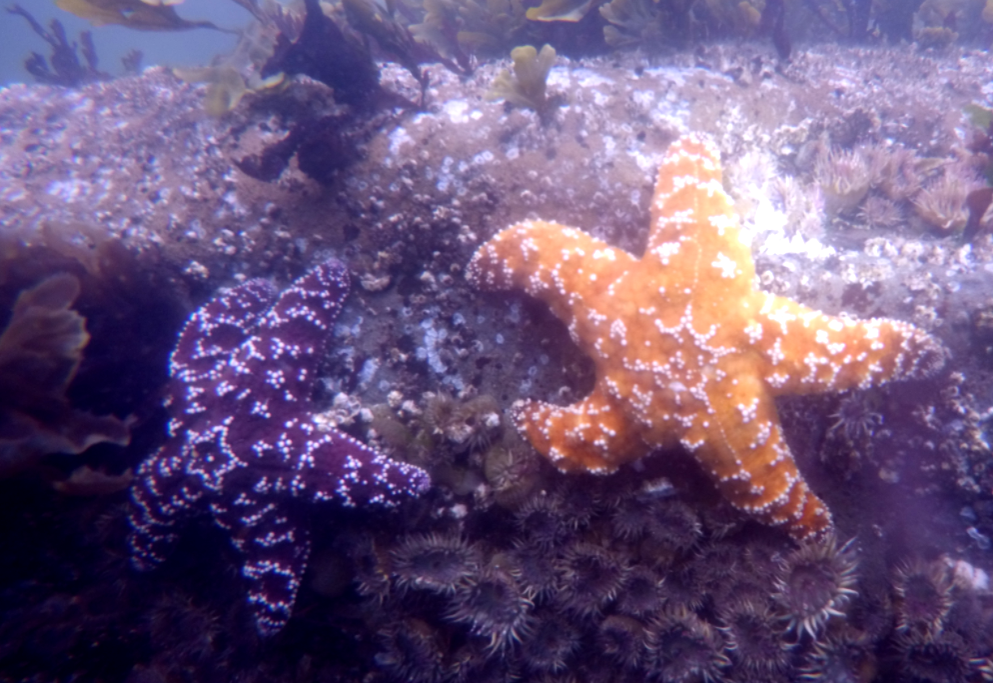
243, 440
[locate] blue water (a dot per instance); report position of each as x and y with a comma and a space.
187, 48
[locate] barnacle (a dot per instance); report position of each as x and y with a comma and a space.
578, 498
816, 583
525, 87
718, 565
40, 351
477, 423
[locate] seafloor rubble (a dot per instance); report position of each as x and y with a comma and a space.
849, 167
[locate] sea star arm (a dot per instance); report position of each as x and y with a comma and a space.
334, 466
556, 264
288, 344
218, 328
162, 496
807, 351
741, 444
275, 545
593, 435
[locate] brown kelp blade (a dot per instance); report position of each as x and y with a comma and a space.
131, 13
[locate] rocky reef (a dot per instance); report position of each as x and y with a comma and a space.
850, 169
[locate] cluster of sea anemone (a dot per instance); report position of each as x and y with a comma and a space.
633, 582
625, 578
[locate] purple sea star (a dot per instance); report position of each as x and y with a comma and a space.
242, 445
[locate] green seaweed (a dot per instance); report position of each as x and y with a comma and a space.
226, 86
525, 87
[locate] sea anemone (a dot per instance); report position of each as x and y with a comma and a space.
472, 425
541, 521
676, 525
436, 562
186, 630
371, 567
579, 496
535, 569
439, 412
591, 577
880, 212
942, 203
844, 179
623, 638
815, 583
896, 171
642, 595
512, 471
683, 648
682, 588
632, 517
411, 650
717, 565
845, 655
939, 659
855, 417
550, 644
923, 596
494, 607
754, 637
647, 512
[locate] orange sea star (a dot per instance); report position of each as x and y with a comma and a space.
686, 348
